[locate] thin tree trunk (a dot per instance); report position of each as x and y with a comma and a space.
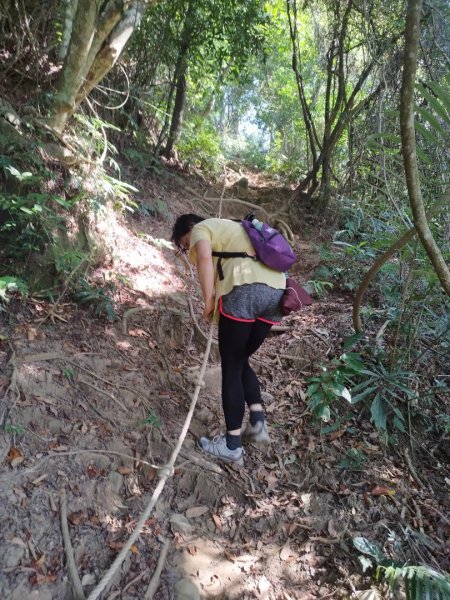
181, 82
409, 144
177, 115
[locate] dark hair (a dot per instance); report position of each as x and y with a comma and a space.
183, 225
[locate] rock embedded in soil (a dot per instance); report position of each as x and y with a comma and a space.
186, 590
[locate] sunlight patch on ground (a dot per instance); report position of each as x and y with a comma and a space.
145, 264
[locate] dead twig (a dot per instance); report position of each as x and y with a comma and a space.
76, 583
94, 387
154, 582
411, 468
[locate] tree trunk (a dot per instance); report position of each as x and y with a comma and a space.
97, 40
178, 109
409, 144
74, 68
181, 82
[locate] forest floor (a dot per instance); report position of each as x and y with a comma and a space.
95, 408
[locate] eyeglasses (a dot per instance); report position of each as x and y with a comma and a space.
181, 250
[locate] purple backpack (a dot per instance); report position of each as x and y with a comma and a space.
270, 245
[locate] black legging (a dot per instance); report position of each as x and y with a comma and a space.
237, 341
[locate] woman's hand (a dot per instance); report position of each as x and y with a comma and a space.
209, 309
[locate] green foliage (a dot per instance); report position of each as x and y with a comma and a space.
200, 147
10, 285
353, 460
419, 582
332, 383
388, 394
69, 373
99, 299
319, 288
13, 429
151, 419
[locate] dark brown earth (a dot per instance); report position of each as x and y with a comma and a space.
95, 408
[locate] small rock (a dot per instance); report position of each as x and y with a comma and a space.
88, 579
13, 555
185, 589
180, 523
116, 481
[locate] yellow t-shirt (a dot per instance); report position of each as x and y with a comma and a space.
229, 236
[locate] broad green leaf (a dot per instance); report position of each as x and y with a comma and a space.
378, 413
345, 393
367, 547
441, 93
364, 394
427, 134
351, 340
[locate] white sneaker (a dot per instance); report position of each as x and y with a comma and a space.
257, 433
217, 448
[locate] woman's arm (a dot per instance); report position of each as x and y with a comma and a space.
205, 269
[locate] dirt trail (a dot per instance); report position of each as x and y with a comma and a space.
96, 408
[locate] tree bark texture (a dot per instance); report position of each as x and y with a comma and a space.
100, 31
407, 130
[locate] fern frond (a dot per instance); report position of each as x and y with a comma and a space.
421, 582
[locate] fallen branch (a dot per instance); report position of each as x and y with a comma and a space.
166, 472
76, 583
154, 582
94, 387
411, 468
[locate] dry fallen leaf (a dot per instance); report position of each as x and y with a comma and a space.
191, 549
76, 518
124, 470
380, 490
332, 528
217, 521
229, 556
15, 457
196, 511
31, 334
286, 553
137, 333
